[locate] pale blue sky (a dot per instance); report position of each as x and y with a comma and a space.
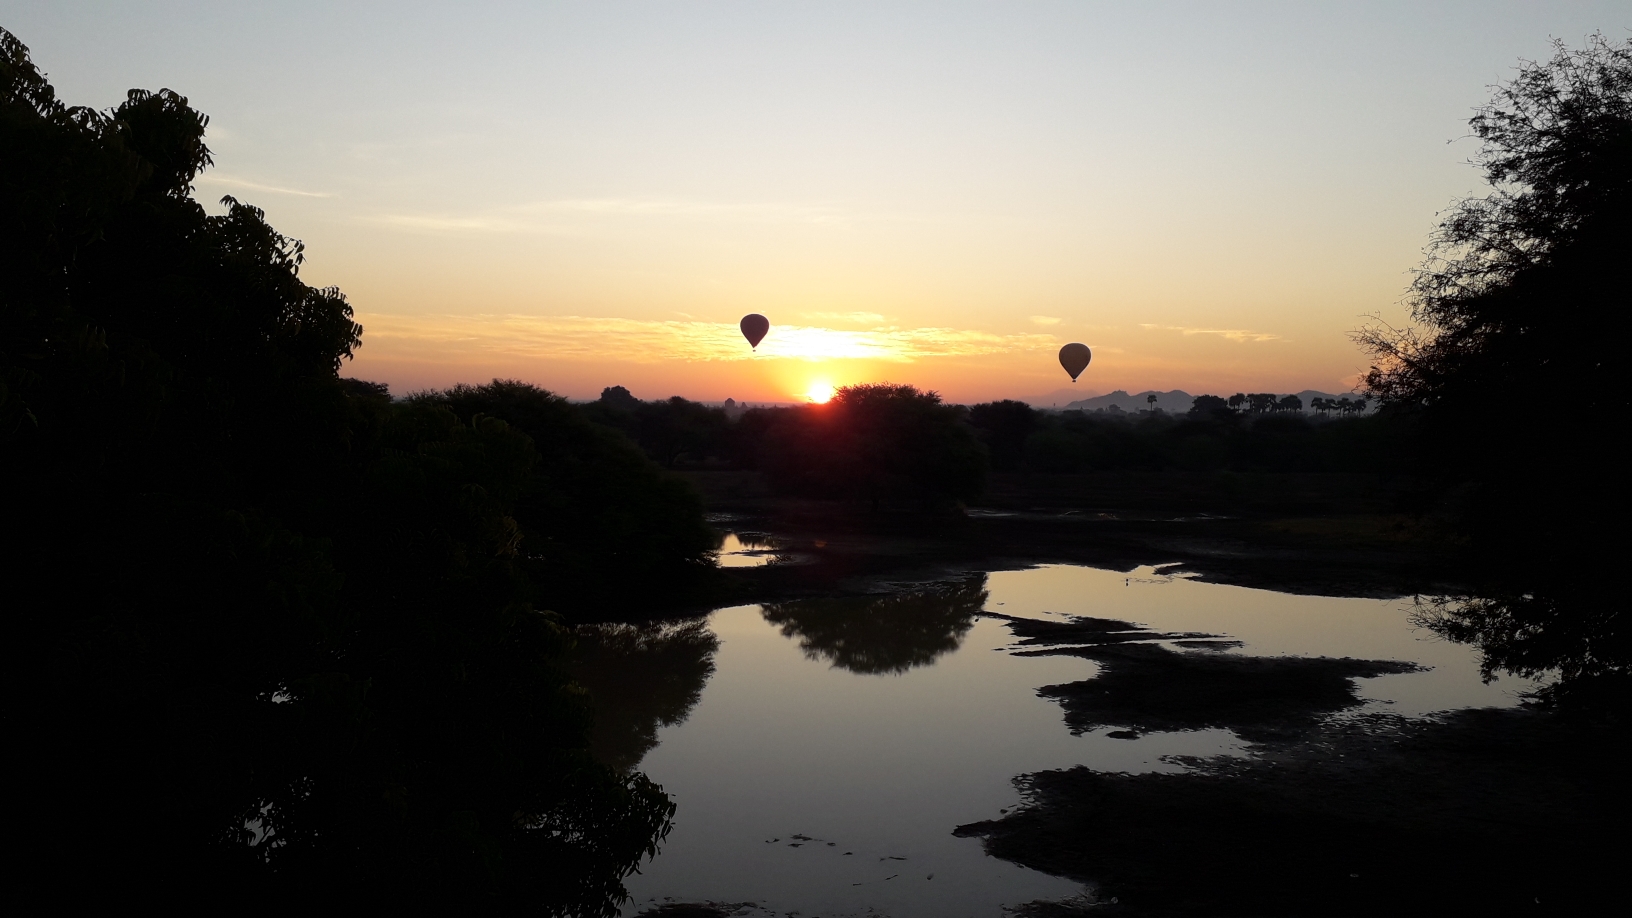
1208, 193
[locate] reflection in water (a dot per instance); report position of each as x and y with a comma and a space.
745, 549
793, 738
883, 634
1580, 641
641, 677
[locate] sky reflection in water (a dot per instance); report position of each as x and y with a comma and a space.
747, 550
880, 724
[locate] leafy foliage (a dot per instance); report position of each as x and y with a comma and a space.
274, 636
883, 635
874, 442
1522, 299
1211, 437
608, 530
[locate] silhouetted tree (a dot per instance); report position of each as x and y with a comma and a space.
598, 522
1209, 407
1524, 293
618, 398
879, 635
641, 678
1004, 427
876, 442
276, 644
667, 430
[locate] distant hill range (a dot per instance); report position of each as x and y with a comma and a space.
1174, 402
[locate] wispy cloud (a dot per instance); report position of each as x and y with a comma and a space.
231, 181
1044, 320
557, 216
1231, 334
445, 224
655, 341
870, 319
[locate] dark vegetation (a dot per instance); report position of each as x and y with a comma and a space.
1149, 687
281, 637
883, 634
888, 443
1523, 297
277, 640
1469, 814
642, 677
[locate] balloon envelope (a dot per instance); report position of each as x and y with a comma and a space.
754, 326
1075, 357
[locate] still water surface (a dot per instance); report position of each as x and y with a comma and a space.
821, 752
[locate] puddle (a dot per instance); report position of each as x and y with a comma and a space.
822, 752
749, 550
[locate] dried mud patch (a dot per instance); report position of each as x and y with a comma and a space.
1146, 684
1477, 812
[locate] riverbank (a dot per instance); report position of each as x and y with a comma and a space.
1488, 812
1337, 808
1334, 535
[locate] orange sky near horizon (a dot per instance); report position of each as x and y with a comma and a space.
1212, 196
711, 361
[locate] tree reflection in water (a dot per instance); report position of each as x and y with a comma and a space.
883, 634
1577, 636
641, 677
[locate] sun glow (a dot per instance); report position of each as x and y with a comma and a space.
819, 392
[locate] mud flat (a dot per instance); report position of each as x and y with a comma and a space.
1495, 812
1311, 534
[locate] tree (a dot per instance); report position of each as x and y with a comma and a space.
876, 442
277, 628
1289, 403
1209, 406
1523, 294
1261, 402
1004, 427
600, 523
1151, 400
883, 635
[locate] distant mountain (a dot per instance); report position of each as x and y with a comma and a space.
1056, 399
1174, 402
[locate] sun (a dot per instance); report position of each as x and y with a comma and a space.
819, 391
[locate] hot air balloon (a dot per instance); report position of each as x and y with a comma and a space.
754, 326
1074, 357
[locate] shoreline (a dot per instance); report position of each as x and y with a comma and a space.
1332, 812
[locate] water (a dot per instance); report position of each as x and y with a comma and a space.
748, 550
821, 752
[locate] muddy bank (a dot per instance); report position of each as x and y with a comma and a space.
1323, 535
1478, 812
1145, 685
1332, 813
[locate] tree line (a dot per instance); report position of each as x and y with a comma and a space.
886, 443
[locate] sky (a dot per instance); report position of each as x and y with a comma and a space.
1210, 195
